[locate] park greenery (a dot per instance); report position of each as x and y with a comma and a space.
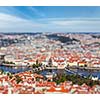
75, 79
6, 62
59, 78
18, 79
62, 39
37, 64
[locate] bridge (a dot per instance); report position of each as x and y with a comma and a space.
51, 68
85, 68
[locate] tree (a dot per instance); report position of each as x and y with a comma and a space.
1, 71
50, 62
37, 79
10, 76
37, 62
57, 81
63, 78
33, 65
75, 79
85, 65
18, 79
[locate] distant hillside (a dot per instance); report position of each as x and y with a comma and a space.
95, 36
21, 33
63, 39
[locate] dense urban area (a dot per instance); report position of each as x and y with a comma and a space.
42, 63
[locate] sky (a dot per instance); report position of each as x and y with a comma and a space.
49, 19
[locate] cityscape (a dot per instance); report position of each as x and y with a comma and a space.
35, 63
43, 51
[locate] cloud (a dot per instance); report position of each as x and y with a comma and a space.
75, 22
11, 10
74, 25
36, 11
13, 23
64, 23
27, 12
